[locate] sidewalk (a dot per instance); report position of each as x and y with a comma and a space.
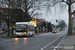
69, 43
1, 35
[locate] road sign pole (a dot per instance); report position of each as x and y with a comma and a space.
1, 20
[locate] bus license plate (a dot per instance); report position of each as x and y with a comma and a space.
22, 33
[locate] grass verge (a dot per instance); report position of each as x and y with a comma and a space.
2, 33
9, 36
70, 34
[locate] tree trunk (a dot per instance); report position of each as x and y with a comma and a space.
70, 20
8, 18
12, 28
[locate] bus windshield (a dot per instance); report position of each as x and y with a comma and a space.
20, 28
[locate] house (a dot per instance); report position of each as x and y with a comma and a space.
40, 26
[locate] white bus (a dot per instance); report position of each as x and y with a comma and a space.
24, 29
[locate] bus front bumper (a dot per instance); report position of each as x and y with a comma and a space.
21, 34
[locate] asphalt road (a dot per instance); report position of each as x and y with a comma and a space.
46, 41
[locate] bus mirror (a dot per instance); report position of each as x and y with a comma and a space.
27, 30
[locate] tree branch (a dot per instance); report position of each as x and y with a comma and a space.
32, 12
73, 2
29, 7
59, 2
29, 3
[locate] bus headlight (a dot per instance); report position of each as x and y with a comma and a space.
16, 33
25, 33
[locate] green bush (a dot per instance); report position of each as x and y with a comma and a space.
9, 36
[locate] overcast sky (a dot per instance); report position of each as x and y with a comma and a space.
53, 15
58, 14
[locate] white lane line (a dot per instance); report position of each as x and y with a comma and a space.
54, 49
45, 46
53, 41
60, 42
7, 40
42, 48
25, 42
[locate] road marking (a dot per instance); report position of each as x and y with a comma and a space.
25, 42
60, 42
6, 40
37, 38
53, 41
42, 48
45, 46
54, 49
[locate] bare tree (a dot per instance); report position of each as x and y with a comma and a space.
28, 5
52, 3
24, 5
61, 24
11, 4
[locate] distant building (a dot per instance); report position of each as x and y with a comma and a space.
40, 26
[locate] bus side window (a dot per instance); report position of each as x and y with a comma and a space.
31, 28
28, 27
